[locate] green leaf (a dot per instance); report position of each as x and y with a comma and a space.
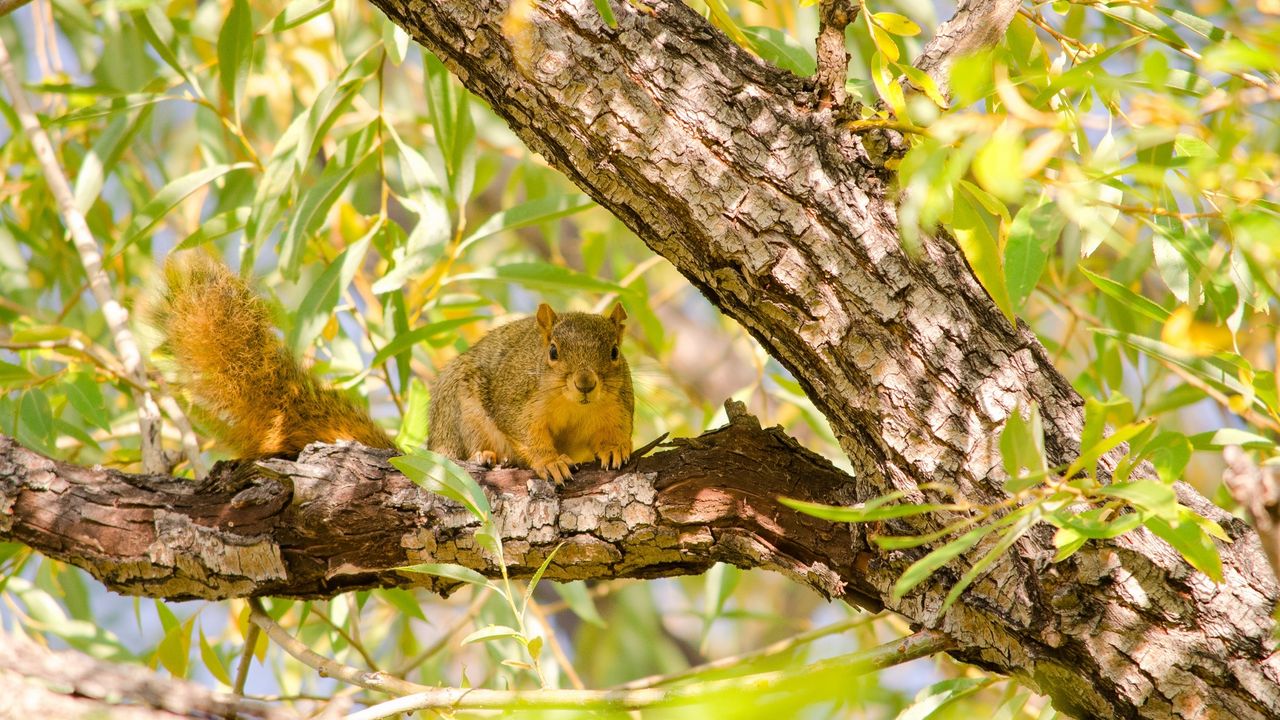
1022, 449
403, 601
314, 204
1030, 515
541, 275
168, 198
1127, 297
298, 12
174, 649
317, 306
404, 341
448, 570
998, 165
530, 213
216, 227
781, 49
86, 397
921, 569
1146, 495
413, 426
12, 376
1218, 439
537, 575
492, 632
35, 420
235, 52
606, 12
442, 476
576, 595
933, 698
874, 509
1032, 234
1191, 541
973, 235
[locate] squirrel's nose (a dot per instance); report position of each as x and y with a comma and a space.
585, 381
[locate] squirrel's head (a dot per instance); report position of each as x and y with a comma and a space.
583, 351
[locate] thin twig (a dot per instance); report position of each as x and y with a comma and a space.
553, 643
920, 644
782, 646
468, 617
117, 316
8, 6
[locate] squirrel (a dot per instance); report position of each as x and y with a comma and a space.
547, 391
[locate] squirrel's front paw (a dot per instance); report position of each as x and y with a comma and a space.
554, 468
613, 458
487, 458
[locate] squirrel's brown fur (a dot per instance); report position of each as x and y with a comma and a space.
510, 397
261, 401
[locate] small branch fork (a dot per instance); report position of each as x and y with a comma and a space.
412, 696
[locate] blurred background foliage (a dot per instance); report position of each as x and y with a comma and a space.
1109, 171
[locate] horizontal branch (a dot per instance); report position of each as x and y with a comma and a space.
341, 518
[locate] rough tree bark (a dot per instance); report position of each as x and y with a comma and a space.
730, 169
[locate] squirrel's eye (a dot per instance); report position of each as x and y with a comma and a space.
554, 353
613, 354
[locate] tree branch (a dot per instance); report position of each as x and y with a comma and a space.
38, 682
832, 57
976, 24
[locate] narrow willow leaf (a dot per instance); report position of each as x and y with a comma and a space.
443, 476
543, 276
1031, 514
405, 341
322, 297
413, 425
1127, 297
530, 213
1192, 542
781, 49
1022, 449
973, 235
492, 632
1032, 235
576, 595
896, 24
921, 569
168, 198
448, 570
875, 509
235, 53
298, 12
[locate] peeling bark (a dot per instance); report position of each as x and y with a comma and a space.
340, 518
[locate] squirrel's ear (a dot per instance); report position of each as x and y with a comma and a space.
546, 319
618, 315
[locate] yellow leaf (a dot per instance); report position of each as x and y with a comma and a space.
883, 40
896, 24
998, 165
1183, 331
973, 235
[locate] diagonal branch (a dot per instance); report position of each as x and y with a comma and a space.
976, 24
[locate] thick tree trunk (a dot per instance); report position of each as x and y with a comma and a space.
723, 165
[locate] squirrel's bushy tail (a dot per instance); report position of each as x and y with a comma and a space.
261, 401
